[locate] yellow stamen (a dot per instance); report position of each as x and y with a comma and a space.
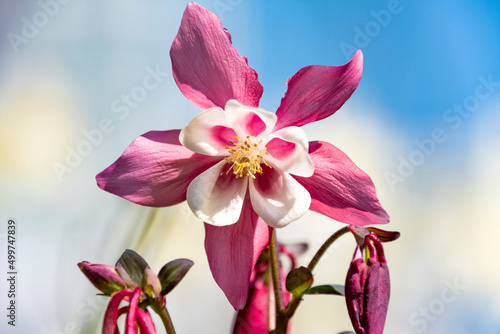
246, 158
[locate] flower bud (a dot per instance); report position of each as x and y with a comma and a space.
105, 278
258, 313
252, 319
151, 285
367, 288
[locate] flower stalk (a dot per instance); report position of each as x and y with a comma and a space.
164, 316
284, 314
281, 317
274, 265
321, 251
295, 302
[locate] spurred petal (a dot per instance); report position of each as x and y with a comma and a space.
207, 68
130, 326
145, 322
316, 92
109, 325
232, 252
208, 133
288, 151
340, 190
216, 197
248, 121
155, 170
377, 292
278, 198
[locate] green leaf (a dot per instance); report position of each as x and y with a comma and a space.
131, 267
172, 273
299, 280
330, 289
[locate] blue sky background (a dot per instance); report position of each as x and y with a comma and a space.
63, 80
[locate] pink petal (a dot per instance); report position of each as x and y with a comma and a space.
155, 170
288, 151
232, 252
109, 325
248, 121
130, 326
340, 190
145, 322
316, 92
278, 198
377, 291
208, 133
207, 68
355, 294
216, 197
253, 319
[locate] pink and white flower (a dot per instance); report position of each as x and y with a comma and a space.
254, 158
244, 170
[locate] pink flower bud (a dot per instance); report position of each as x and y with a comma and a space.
151, 285
253, 318
105, 278
258, 314
367, 288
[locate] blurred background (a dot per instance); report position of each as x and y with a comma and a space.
423, 124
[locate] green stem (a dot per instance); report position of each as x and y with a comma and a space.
321, 251
165, 317
281, 318
273, 259
295, 301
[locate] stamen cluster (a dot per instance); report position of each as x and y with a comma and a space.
246, 157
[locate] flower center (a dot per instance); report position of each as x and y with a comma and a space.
245, 157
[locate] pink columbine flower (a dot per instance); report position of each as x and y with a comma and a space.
241, 169
255, 159
367, 288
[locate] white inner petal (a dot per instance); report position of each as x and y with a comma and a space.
293, 154
278, 199
215, 197
208, 133
249, 121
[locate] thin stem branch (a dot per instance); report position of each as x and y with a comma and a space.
273, 259
165, 317
322, 250
295, 301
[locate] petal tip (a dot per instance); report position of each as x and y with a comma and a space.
101, 179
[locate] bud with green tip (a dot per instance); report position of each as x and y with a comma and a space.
150, 284
132, 280
105, 278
